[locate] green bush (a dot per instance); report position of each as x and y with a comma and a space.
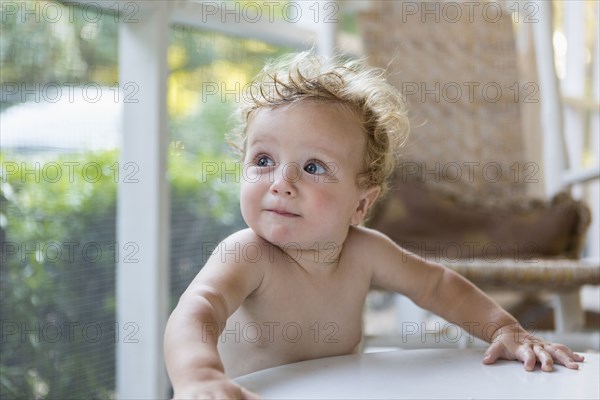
57, 286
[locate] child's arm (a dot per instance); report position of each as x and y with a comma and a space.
193, 363
449, 295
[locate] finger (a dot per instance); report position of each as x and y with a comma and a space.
494, 352
527, 356
576, 357
544, 358
562, 357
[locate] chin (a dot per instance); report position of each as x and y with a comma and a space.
281, 239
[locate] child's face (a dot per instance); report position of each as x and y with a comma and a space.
299, 184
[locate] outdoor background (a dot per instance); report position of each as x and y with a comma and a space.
59, 187
60, 108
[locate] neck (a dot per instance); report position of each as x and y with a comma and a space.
317, 259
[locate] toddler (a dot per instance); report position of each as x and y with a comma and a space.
318, 139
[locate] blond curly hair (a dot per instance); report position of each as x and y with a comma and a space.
352, 83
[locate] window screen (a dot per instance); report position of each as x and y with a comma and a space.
61, 109
59, 120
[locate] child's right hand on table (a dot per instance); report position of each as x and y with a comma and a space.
515, 343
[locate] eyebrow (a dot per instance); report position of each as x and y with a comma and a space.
321, 151
261, 140
255, 140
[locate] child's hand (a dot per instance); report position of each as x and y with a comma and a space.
214, 386
514, 343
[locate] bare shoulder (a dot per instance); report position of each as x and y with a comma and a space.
244, 251
391, 266
367, 247
364, 239
236, 266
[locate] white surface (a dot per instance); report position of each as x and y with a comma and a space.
426, 373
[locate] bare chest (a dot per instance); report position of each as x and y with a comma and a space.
290, 323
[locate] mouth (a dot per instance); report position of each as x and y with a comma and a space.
282, 213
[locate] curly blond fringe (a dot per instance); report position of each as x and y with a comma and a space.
379, 106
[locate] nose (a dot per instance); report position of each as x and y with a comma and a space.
284, 184
283, 187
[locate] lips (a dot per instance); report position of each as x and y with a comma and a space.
282, 212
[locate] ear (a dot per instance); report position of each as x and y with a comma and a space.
366, 200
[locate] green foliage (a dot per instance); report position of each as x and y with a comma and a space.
57, 300
58, 255
65, 44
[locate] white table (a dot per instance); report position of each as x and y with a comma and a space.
427, 373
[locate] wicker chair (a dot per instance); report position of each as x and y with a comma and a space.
464, 190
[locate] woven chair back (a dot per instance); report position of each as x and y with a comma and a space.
459, 74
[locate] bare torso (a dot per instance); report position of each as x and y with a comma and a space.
297, 314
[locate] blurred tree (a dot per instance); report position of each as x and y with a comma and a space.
39, 48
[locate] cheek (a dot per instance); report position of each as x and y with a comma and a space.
327, 199
247, 194
336, 200
251, 195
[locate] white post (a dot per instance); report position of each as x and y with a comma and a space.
555, 161
593, 247
327, 20
321, 17
573, 84
142, 205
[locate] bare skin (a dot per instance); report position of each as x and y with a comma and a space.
292, 286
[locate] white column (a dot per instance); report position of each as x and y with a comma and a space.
555, 161
573, 85
593, 247
321, 17
327, 19
142, 206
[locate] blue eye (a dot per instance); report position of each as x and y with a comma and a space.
264, 161
315, 168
